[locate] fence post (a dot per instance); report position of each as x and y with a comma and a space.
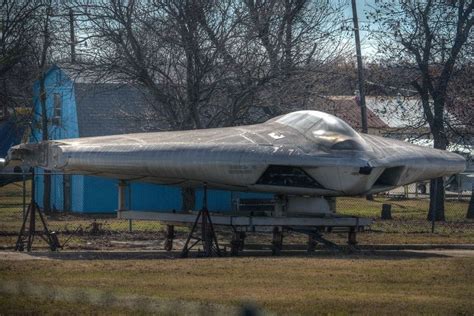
386, 211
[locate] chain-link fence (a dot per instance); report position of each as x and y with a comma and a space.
405, 210
399, 216
75, 229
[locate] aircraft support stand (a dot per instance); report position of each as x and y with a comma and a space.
208, 236
314, 236
312, 243
352, 237
237, 243
28, 236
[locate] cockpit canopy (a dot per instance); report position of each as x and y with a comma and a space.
324, 129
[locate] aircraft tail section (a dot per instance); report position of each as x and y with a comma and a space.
33, 155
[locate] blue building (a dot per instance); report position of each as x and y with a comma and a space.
79, 107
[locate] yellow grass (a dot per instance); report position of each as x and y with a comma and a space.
309, 285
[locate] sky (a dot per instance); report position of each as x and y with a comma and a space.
363, 6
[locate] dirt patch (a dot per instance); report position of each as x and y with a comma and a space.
20, 256
463, 253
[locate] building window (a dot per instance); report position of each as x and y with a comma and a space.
57, 109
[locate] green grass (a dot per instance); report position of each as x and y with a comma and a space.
310, 285
410, 217
402, 209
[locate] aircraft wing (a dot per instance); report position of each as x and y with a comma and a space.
302, 153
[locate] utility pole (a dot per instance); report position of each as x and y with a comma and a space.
72, 36
42, 100
360, 69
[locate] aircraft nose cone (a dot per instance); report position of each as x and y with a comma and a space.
447, 162
458, 162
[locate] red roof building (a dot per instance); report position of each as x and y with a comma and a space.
346, 108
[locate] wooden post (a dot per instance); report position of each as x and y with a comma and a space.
277, 242
237, 243
386, 211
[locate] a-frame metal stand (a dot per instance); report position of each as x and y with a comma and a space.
208, 235
28, 235
314, 236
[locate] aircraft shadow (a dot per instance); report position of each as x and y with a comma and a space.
174, 255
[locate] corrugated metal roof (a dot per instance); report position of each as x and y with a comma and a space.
84, 74
108, 109
398, 113
408, 113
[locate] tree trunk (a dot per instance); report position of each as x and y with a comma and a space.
437, 185
470, 210
436, 200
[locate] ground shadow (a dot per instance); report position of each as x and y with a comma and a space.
175, 255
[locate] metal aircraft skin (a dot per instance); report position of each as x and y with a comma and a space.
300, 153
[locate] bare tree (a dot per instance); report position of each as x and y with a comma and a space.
156, 45
24, 58
42, 67
275, 56
212, 63
293, 32
17, 64
433, 38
